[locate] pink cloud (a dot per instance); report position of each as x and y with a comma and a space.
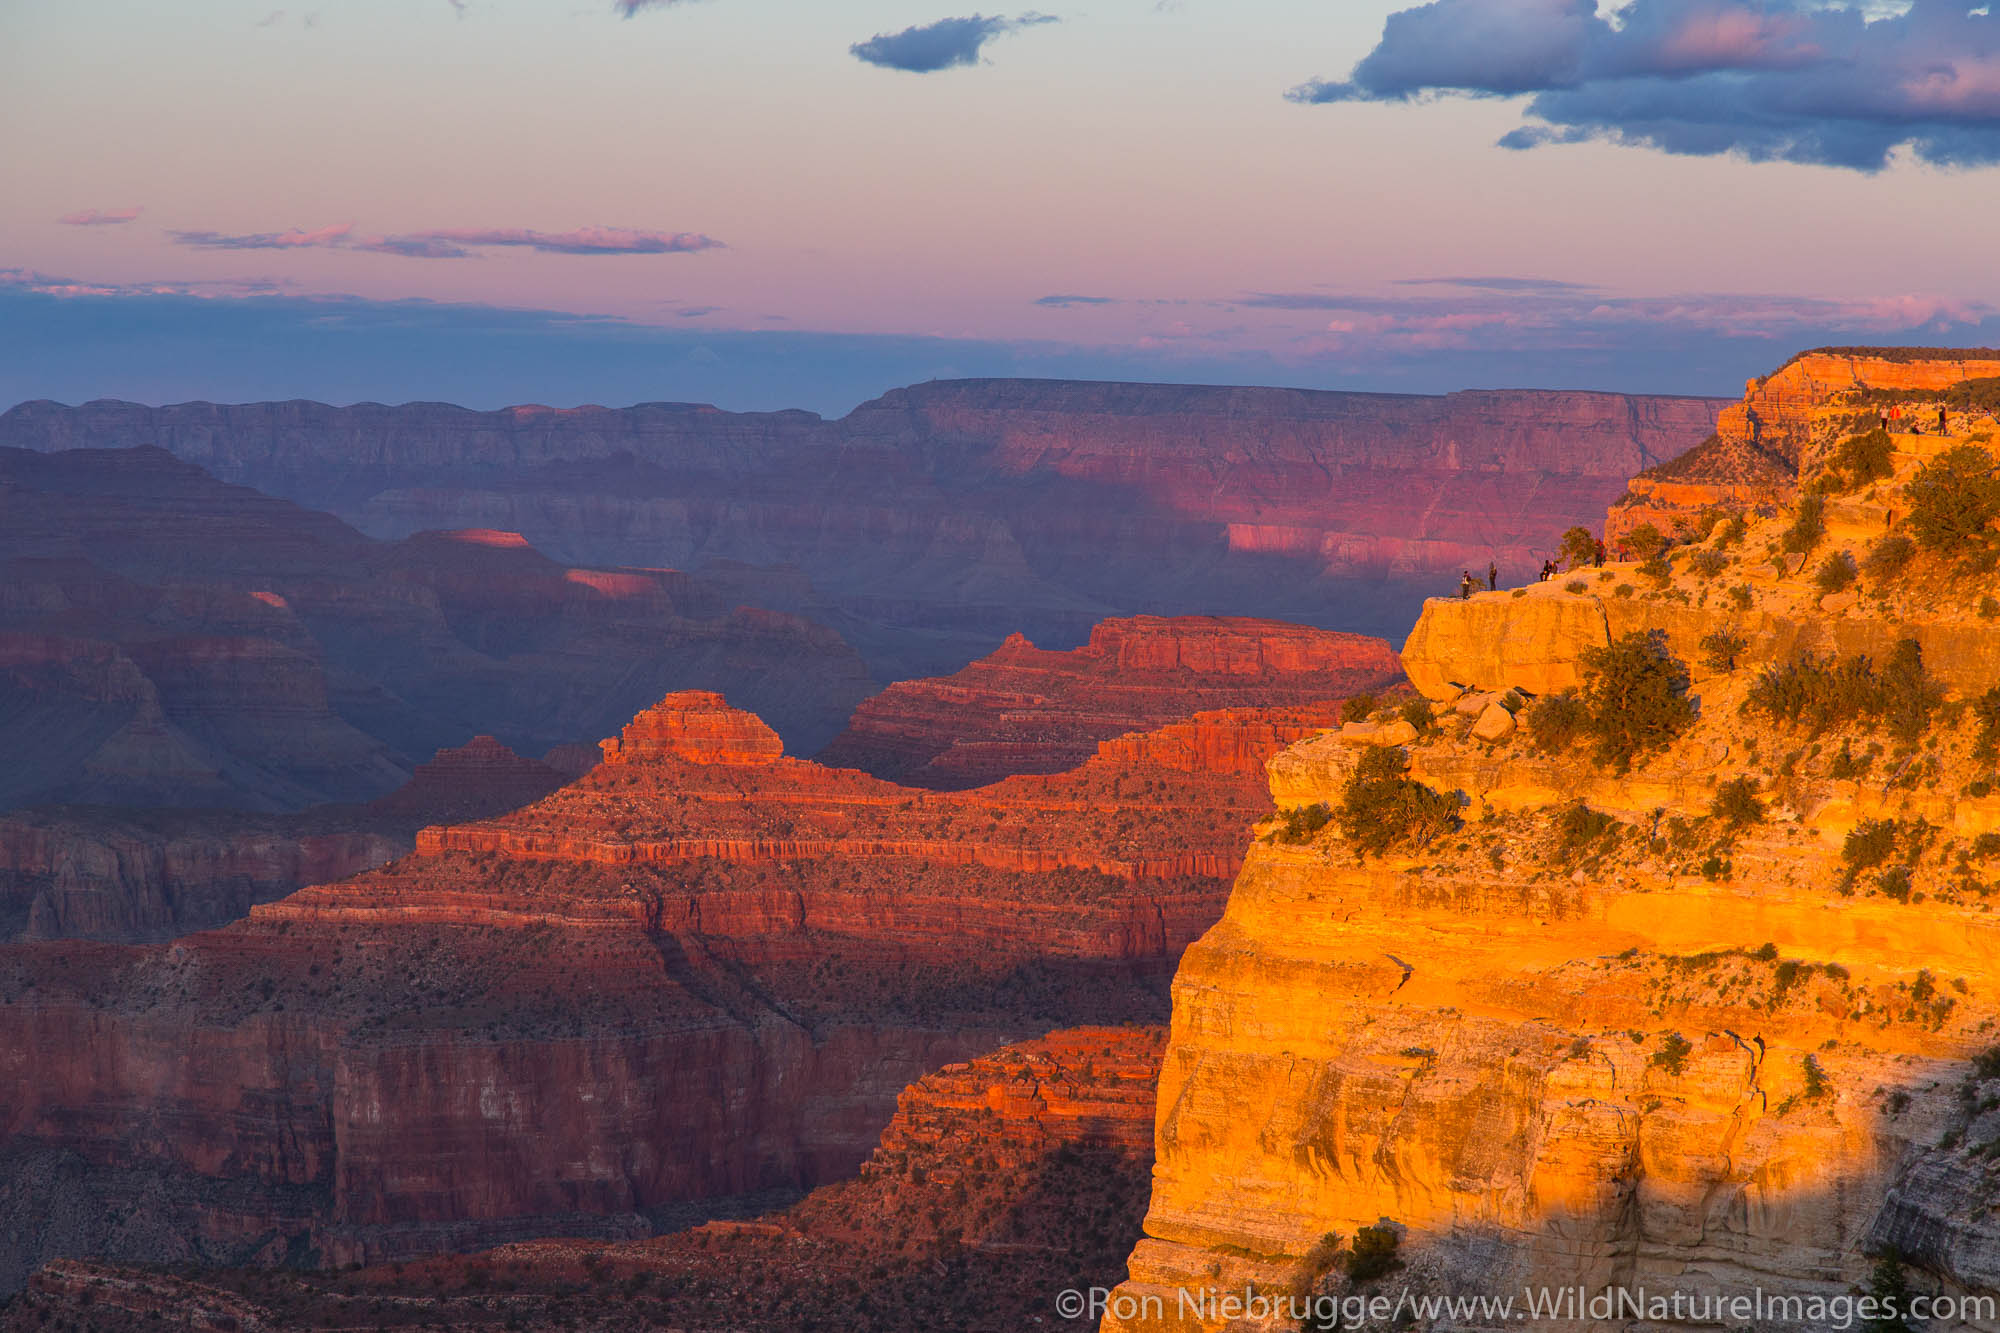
581, 241
91, 217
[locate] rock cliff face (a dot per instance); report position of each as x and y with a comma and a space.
168, 640
1785, 418
937, 519
1024, 710
999, 1181
1713, 1021
703, 970
130, 876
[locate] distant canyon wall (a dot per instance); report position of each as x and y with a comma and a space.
944, 516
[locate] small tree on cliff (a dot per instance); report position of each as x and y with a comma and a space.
1383, 807
1635, 693
1578, 548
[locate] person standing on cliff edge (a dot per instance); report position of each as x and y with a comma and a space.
1464, 584
1492, 576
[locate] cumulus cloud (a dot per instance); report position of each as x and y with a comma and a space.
945, 44
1841, 84
461, 242
91, 217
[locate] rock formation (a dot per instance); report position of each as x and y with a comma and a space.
940, 518
1025, 710
1678, 982
1759, 443
999, 1182
704, 970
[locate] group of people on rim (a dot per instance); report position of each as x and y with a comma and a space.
1468, 584
1891, 418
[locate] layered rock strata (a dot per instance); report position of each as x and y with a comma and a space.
1717, 1022
1786, 418
937, 519
999, 1182
1026, 710
704, 970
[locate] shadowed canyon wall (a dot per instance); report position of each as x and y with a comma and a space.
937, 519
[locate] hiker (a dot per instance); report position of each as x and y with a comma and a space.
1492, 576
1464, 584
1942, 428
1597, 552
1882, 419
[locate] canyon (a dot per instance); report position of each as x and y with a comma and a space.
998, 1181
930, 523
168, 640
696, 976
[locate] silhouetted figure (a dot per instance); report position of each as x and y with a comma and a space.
1942, 428
1597, 553
1464, 584
1492, 576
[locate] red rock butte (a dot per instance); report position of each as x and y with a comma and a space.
1023, 709
697, 726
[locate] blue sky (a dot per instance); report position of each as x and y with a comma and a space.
776, 202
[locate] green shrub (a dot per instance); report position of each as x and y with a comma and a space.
1635, 695
1357, 708
1736, 803
1910, 696
1863, 458
1658, 570
1730, 531
1986, 743
1889, 556
1808, 525
1818, 1084
1645, 541
1374, 1253
1418, 713
1720, 649
1986, 1064
1673, 1054
1815, 694
1952, 499
1302, 823
1708, 562
1383, 807
1836, 573
1740, 597
1868, 844
1988, 608
1578, 828
1555, 721
1576, 586
1894, 883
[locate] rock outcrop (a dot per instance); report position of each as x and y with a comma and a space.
1787, 418
1620, 997
1026, 710
940, 518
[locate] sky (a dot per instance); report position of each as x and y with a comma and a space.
789, 203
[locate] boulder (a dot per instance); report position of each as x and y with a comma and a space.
1399, 732
1495, 724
